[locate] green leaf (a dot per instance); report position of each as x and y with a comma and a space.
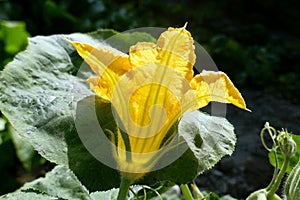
36, 95
227, 197
14, 35
211, 196
293, 161
106, 195
217, 137
26, 195
24, 150
292, 185
208, 138
60, 183
2, 124
92, 173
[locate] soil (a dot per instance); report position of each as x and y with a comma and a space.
248, 169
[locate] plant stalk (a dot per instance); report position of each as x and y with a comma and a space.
275, 186
275, 175
124, 188
186, 192
197, 193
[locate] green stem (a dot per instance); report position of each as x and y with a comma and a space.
197, 193
124, 187
186, 192
277, 182
275, 175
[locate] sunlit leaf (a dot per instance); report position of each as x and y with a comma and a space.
106, 195
208, 139
24, 151
60, 183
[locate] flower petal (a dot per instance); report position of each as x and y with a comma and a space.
177, 48
108, 63
149, 105
216, 86
100, 58
143, 53
100, 87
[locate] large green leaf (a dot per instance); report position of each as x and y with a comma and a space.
215, 133
24, 150
2, 124
26, 195
60, 183
36, 95
92, 173
2, 128
107, 195
208, 138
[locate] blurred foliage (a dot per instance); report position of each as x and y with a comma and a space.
13, 38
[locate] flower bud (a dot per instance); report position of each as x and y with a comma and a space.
287, 144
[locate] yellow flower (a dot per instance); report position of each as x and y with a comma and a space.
150, 89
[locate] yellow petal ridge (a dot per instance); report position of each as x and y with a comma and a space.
143, 53
108, 63
176, 50
152, 98
216, 86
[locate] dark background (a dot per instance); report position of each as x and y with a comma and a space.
255, 42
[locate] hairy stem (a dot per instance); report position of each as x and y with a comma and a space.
186, 192
276, 170
197, 193
277, 182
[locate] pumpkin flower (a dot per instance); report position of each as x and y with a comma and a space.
149, 89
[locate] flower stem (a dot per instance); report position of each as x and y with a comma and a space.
124, 187
197, 193
276, 170
277, 182
186, 192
